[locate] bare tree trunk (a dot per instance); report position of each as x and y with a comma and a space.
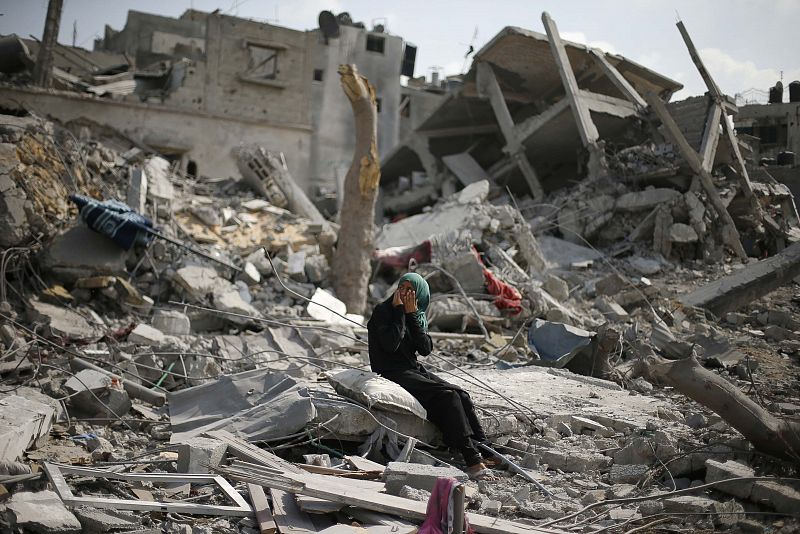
351, 263
769, 434
43, 70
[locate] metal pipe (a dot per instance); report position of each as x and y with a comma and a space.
136, 391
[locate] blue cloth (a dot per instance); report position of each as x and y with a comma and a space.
423, 296
115, 220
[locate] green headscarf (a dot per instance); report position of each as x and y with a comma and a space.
423, 296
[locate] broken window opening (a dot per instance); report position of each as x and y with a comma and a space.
263, 62
375, 43
191, 168
318, 75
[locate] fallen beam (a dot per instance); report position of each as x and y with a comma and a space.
156, 398
748, 284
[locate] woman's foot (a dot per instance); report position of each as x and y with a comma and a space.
479, 471
492, 462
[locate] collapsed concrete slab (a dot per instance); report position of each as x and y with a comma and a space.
23, 423
41, 512
418, 476
748, 284
81, 252
60, 322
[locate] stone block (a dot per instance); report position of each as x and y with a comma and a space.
627, 473
59, 321
23, 423
682, 233
556, 287
172, 322
13, 221
199, 455
467, 270
101, 520
610, 309
146, 335
41, 512
716, 471
399, 474
250, 274
780, 497
611, 285
574, 460
80, 252
645, 200
317, 268
196, 280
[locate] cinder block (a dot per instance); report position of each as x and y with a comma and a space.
197, 455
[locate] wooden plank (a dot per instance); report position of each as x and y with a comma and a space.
531, 125
363, 464
266, 523
337, 490
287, 514
708, 148
618, 79
730, 234
586, 127
314, 505
487, 82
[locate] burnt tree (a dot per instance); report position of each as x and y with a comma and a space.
351, 262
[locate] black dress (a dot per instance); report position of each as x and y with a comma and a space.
395, 339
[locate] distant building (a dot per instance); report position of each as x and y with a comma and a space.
198, 86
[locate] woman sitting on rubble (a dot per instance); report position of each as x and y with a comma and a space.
398, 330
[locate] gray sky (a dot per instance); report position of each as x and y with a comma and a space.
744, 43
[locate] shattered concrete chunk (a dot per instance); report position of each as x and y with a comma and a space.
610, 309
80, 252
627, 473
13, 221
146, 335
781, 497
250, 274
200, 455
197, 280
23, 424
41, 512
716, 471
101, 520
574, 460
60, 322
557, 287
647, 199
172, 322
682, 233
399, 474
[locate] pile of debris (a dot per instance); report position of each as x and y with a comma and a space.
143, 380
184, 354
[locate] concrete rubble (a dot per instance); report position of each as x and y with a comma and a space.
209, 379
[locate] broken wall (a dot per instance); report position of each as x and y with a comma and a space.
207, 139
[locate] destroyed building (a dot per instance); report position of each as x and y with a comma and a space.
171, 83
625, 320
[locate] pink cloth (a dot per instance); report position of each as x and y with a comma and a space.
439, 515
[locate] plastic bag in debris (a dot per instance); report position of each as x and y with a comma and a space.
374, 391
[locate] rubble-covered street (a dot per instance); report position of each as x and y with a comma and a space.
613, 278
